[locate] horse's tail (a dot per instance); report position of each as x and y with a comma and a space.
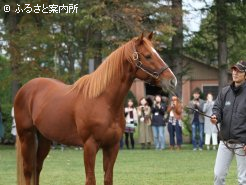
20, 169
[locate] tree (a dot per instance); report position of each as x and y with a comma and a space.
60, 45
26, 53
177, 42
221, 10
11, 20
221, 37
5, 93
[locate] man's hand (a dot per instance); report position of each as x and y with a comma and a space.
244, 148
213, 119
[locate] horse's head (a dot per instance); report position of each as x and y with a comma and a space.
149, 65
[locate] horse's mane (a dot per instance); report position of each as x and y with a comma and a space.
92, 85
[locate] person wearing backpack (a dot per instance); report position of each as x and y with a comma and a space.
230, 111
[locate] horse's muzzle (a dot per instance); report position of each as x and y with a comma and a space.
168, 85
173, 83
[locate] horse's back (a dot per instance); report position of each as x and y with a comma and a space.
34, 90
31, 98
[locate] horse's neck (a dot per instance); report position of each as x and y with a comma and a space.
111, 80
120, 85
118, 89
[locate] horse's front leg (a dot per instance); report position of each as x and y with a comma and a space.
90, 150
109, 157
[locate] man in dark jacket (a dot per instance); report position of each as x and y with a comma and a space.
230, 110
197, 120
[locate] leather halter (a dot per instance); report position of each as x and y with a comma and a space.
149, 71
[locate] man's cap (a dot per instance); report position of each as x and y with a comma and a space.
240, 66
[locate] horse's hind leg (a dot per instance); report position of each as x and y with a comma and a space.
42, 152
28, 151
109, 157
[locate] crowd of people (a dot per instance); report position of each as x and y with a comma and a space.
151, 119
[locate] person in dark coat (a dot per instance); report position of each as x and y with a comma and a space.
230, 111
158, 124
197, 120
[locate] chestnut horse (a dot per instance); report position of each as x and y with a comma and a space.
88, 113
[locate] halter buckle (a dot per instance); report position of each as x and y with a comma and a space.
139, 64
135, 55
155, 75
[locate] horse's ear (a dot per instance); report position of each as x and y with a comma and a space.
140, 39
150, 36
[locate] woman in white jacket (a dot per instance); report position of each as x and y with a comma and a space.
209, 128
131, 122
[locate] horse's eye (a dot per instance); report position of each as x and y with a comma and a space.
148, 57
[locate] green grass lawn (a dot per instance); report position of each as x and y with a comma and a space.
132, 167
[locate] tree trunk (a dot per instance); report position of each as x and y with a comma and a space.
177, 43
15, 57
71, 68
222, 42
98, 49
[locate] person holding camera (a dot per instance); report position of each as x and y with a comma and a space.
131, 122
210, 130
158, 124
197, 121
175, 123
145, 131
